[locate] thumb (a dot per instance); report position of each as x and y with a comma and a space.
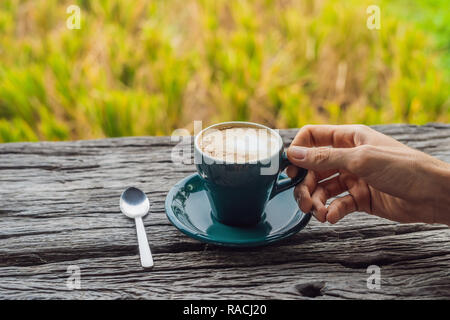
319, 159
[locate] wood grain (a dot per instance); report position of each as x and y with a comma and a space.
59, 207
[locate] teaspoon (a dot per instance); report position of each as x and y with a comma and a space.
134, 204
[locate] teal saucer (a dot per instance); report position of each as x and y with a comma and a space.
188, 209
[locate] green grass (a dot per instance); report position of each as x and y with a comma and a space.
148, 67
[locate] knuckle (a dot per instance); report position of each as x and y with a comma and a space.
303, 188
306, 128
361, 157
321, 155
362, 132
361, 129
363, 151
339, 205
305, 132
300, 191
356, 164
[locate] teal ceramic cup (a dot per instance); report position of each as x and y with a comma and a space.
239, 192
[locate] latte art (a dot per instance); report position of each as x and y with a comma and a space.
239, 144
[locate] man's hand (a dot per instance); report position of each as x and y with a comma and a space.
381, 175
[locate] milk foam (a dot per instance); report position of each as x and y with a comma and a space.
239, 145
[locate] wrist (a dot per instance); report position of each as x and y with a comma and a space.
440, 192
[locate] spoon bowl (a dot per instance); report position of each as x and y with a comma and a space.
134, 203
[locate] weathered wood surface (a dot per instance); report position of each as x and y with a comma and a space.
59, 207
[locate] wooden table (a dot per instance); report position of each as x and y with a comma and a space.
59, 211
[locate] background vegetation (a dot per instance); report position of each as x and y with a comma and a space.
147, 67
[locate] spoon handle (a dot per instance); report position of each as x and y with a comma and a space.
144, 248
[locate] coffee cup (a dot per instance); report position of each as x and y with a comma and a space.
242, 174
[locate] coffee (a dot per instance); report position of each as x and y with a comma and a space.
239, 144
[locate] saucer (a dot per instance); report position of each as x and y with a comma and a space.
188, 209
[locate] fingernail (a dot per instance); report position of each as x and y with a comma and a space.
298, 153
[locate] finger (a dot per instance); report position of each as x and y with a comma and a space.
322, 158
291, 171
319, 199
303, 198
324, 191
318, 208
360, 193
328, 135
341, 207
303, 191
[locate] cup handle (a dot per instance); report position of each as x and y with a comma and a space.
287, 183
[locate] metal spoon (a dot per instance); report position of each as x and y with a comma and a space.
134, 204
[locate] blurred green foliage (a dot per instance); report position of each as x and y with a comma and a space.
148, 67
